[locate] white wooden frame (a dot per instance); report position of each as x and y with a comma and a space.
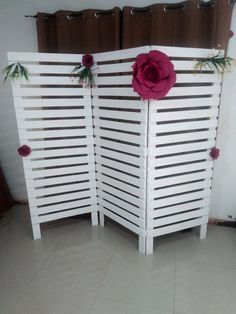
153, 168
54, 118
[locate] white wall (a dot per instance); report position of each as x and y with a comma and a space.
19, 34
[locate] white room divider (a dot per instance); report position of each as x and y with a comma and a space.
153, 164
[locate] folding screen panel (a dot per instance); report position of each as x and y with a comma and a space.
182, 132
54, 118
120, 120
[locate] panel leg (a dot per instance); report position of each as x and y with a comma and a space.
102, 219
203, 231
36, 231
94, 218
142, 244
149, 246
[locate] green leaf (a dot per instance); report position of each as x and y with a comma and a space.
15, 71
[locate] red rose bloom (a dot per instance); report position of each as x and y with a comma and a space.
87, 60
24, 151
215, 153
153, 75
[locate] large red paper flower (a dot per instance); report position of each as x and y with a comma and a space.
24, 151
153, 75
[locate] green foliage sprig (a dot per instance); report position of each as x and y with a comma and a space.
15, 71
219, 63
83, 74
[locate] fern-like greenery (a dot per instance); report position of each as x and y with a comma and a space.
219, 63
15, 71
84, 75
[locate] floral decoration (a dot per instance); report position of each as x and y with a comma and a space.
24, 151
15, 71
153, 75
217, 62
215, 153
83, 71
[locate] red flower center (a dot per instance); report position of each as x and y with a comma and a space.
151, 74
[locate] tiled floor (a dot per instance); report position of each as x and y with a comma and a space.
79, 269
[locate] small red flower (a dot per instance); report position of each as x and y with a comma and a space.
87, 60
153, 75
24, 151
231, 34
215, 153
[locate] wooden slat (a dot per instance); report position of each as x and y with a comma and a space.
115, 173
125, 186
137, 128
178, 218
42, 102
190, 136
180, 198
171, 210
61, 180
183, 126
133, 139
122, 195
115, 103
29, 174
165, 161
184, 115
182, 169
184, 103
162, 182
137, 161
40, 144
177, 227
187, 147
135, 150
65, 214
64, 206
54, 133
127, 224
121, 166
180, 189
38, 92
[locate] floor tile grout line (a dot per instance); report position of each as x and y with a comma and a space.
49, 256
104, 276
208, 264
175, 278
135, 304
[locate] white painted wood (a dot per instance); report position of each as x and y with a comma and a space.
175, 209
149, 245
177, 227
36, 231
94, 218
153, 170
60, 171
101, 219
142, 245
180, 198
203, 231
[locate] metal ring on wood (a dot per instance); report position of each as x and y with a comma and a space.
174, 7
134, 10
98, 13
206, 4
69, 17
